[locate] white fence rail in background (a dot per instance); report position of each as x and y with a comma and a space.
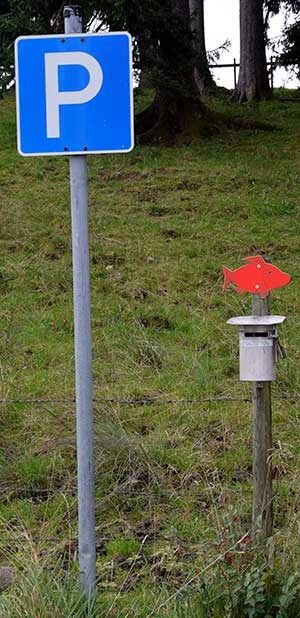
272, 64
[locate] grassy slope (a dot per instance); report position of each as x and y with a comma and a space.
162, 224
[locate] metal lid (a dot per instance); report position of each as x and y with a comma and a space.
255, 320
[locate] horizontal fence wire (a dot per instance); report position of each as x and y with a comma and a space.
274, 62
149, 401
171, 493
151, 537
219, 493
154, 537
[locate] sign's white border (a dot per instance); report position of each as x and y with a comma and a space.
72, 152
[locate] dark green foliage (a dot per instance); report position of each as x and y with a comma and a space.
159, 33
163, 38
30, 17
291, 44
22, 18
273, 6
290, 41
163, 41
164, 54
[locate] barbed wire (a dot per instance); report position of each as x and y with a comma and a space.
181, 493
131, 493
147, 401
219, 493
207, 492
142, 538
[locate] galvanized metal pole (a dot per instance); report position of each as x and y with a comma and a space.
262, 516
83, 356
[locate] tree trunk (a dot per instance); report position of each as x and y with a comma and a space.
253, 83
174, 118
146, 49
177, 112
203, 76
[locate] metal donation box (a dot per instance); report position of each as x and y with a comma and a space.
259, 346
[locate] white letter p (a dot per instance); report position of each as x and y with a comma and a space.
55, 98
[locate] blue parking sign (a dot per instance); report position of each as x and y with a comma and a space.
74, 94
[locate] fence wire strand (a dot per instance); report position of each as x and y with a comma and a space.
218, 493
171, 493
149, 401
155, 538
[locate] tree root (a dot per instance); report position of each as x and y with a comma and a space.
176, 119
172, 119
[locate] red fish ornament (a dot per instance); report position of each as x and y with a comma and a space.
257, 277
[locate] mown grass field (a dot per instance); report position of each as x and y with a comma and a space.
173, 480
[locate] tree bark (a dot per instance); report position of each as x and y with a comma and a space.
177, 110
146, 48
253, 83
203, 76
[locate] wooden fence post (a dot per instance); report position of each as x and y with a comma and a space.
234, 73
272, 73
262, 516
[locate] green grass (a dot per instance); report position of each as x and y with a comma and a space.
163, 222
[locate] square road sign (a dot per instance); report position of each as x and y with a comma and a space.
74, 94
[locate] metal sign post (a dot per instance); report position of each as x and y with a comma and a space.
83, 354
74, 95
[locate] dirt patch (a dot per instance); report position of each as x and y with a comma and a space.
242, 474
157, 322
187, 185
170, 234
108, 259
160, 211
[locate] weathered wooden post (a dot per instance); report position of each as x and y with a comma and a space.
262, 512
259, 352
